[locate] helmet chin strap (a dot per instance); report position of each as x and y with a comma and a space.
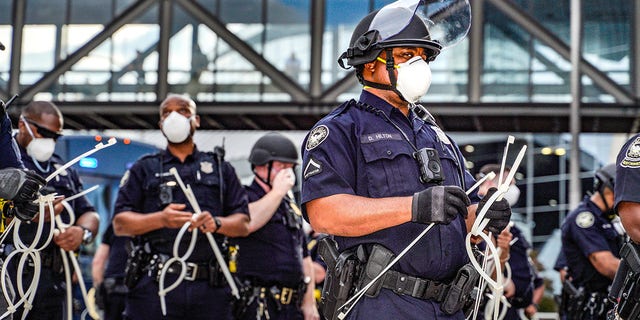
269, 167
392, 77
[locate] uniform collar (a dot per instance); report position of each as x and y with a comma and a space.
167, 156
256, 188
371, 99
594, 208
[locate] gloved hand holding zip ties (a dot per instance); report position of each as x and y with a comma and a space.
499, 214
439, 204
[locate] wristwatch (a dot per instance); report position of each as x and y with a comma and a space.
87, 236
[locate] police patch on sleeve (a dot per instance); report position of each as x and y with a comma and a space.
632, 156
317, 136
124, 179
585, 219
313, 167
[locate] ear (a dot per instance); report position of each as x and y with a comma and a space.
197, 121
370, 66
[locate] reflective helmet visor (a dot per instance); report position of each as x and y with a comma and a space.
448, 21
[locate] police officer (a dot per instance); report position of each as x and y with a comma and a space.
152, 207
274, 257
627, 205
519, 290
108, 272
591, 246
375, 174
39, 128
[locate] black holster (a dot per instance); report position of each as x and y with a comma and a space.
571, 299
629, 304
343, 271
378, 259
460, 290
137, 262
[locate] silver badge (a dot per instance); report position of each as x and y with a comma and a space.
317, 136
206, 167
632, 156
585, 219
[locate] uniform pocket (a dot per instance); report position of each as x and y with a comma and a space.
390, 168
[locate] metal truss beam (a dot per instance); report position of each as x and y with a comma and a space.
475, 51
278, 77
16, 45
317, 37
163, 48
522, 18
63, 66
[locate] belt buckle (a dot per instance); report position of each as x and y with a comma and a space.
286, 295
191, 276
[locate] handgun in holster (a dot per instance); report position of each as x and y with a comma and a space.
460, 290
629, 305
342, 273
378, 259
137, 261
572, 298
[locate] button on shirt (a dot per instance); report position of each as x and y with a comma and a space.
141, 188
586, 230
273, 254
355, 151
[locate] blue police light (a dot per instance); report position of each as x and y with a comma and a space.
88, 162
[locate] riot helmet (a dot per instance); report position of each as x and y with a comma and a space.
428, 24
273, 146
605, 177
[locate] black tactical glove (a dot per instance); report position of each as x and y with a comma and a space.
439, 204
498, 214
19, 185
26, 210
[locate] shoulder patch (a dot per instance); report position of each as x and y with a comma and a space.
585, 219
313, 167
632, 155
124, 179
317, 136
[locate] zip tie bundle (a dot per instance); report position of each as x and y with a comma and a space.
476, 230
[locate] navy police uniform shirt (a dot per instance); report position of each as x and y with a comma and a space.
117, 261
272, 255
354, 150
628, 172
587, 230
67, 183
522, 274
149, 187
10, 156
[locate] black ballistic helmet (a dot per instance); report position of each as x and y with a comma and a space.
366, 45
429, 24
273, 146
605, 177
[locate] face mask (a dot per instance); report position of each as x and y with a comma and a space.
176, 127
40, 149
414, 79
512, 195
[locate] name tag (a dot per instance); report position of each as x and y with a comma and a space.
374, 137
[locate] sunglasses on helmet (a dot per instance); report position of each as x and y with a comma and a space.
44, 132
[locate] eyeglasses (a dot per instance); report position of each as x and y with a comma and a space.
44, 132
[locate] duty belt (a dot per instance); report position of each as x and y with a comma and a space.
194, 271
413, 286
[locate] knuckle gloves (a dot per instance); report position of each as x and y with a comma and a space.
498, 214
439, 204
22, 188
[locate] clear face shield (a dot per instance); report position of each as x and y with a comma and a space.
447, 21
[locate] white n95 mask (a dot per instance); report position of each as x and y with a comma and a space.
176, 127
40, 149
512, 195
414, 79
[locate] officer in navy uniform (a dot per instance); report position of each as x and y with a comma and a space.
519, 291
274, 257
152, 208
108, 272
591, 245
375, 173
39, 128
